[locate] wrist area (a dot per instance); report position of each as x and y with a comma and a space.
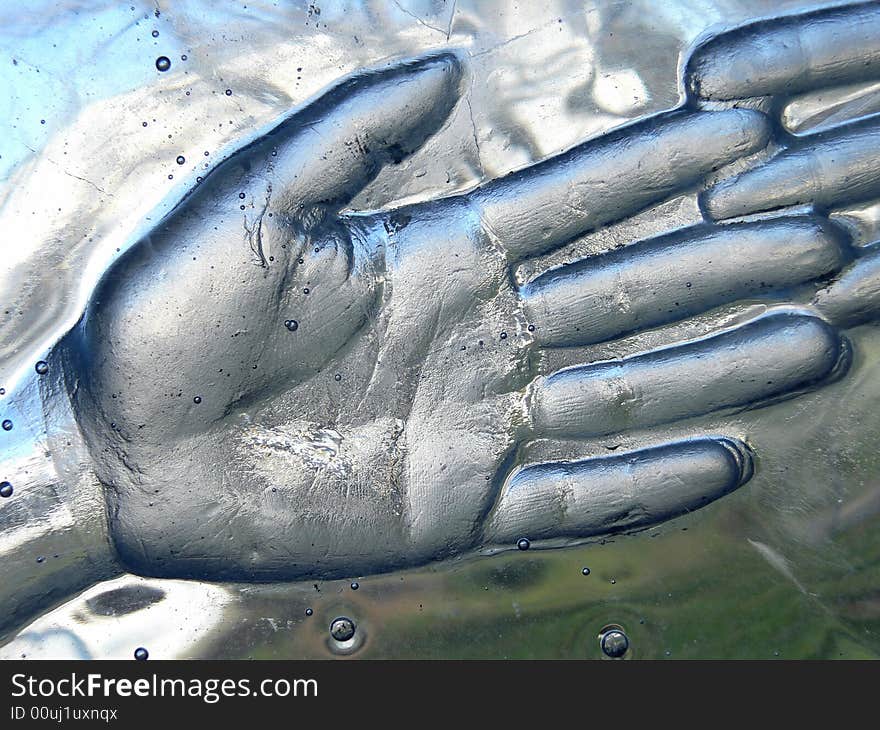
54, 539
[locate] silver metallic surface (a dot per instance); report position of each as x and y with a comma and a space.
391, 323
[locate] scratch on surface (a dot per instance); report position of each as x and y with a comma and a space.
420, 21
777, 561
513, 39
476, 139
69, 174
451, 18
255, 234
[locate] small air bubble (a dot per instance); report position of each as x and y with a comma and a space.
163, 63
523, 543
5, 490
228, 92
183, 57
141, 654
309, 612
531, 328
306, 290
180, 159
7, 425
197, 399
337, 377
355, 585
585, 571
41, 559
155, 34
241, 195
42, 367
292, 325
503, 335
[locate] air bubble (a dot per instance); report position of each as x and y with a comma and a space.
155, 34
228, 92
503, 335
141, 654
523, 543
180, 159
42, 367
197, 399
585, 571
614, 643
6, 490
342, 629
163, 63
41, 559
7, 425
292, 325
355, 585
241, 195
531, 328
309, 612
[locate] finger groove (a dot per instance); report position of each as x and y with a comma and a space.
616, 493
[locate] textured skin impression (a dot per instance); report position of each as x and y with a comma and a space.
789, 55
611, 177
615, 493
838, 167
671, 277
768, 358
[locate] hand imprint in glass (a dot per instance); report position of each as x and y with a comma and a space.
270, 388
